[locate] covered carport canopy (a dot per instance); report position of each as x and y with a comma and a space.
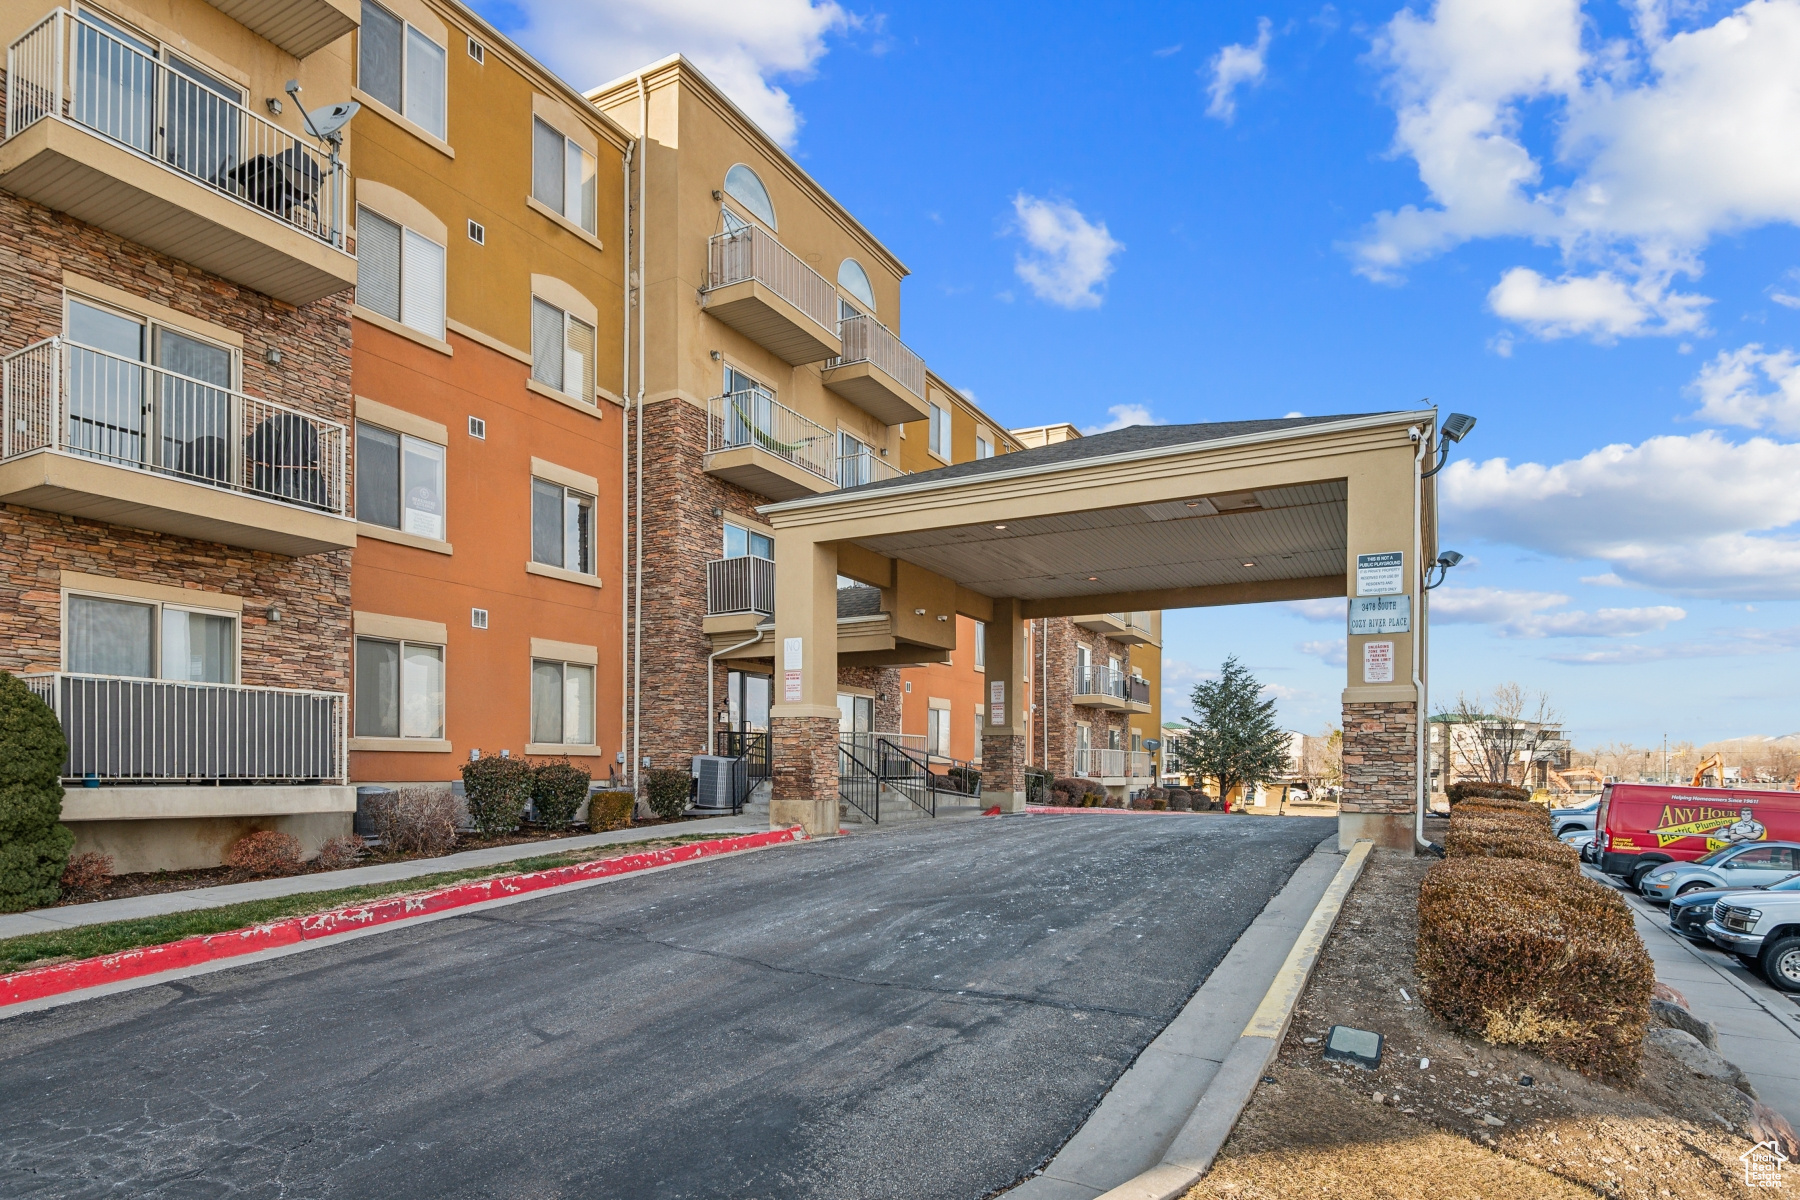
1148, 517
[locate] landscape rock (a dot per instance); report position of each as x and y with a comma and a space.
1676, 1016
1694, 1055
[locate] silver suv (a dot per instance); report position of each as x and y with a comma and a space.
1763, 927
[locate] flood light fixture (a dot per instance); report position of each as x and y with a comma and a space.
1445, 561
1455, 428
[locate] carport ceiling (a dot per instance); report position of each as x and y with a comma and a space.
1283, 533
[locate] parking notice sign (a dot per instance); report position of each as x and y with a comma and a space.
997, 702
1378, 662
1381, 574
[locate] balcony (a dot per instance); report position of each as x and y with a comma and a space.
740, 600
765, 447
745, 584
1138, 630
1120, 768
111, 439
1103, 687
164, 731
1120, 627
300, 27
761, 289
877, 372
97, 128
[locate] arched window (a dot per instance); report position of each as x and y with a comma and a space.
853, 279
742, 185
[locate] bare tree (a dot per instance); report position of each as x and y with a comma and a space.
1494, 740
1322, 760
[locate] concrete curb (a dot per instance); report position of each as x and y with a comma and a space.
1192, 1152
41, 983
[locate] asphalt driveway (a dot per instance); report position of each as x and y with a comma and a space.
911, 1014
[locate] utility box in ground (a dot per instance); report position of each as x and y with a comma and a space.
720, 782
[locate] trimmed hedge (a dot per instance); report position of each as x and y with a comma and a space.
34, 849
667, 791
1483, 839
1468, 789
1533, 954
608, 811
558, 787
496, 791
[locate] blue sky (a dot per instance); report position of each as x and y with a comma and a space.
1576, 222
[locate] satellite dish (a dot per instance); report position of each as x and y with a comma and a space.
325, 122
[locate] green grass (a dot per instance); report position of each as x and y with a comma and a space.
87, 941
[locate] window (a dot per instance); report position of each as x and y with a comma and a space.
563, 175
740, 542
856, 464
478, 429
402, 68
562, 703
743, 185
399, 689
981, 645
562, 527
399, 274
853, 279
145, 639
937, 733
940, 433
979, 714
983, 447
477, 51
856, 714
562, 351
399, 481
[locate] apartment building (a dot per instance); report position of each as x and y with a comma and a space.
1098, 695
176, 531
771, 369
487, 363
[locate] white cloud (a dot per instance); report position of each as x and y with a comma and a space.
1694, 515
1785, 299
1731, 393
1730, 643
1660, 142
1602, 305
1330, 652
1123, 415
1523, 614
1069, 256
1236, 66
1331, 608
743, 47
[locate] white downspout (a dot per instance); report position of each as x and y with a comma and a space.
637, 575
625, 459
712, 726
1423, 783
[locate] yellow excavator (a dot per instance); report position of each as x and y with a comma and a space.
1712, 764
1576, 781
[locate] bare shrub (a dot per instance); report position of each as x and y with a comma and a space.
415, 820
87, 870
340, 851
265, 852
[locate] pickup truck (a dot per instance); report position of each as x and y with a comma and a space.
1763, 927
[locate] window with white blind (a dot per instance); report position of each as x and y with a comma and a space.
983, 448
562, 527
399, 689
562, 351
401, 67
146, 639
980, 713
563, 175
562, 703
939, 440
399, 273
937, 732
399, 481
981, 645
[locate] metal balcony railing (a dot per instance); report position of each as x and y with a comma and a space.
854, 470
71, 67
160, 730
62, 396
752, 253
868, 340
1137, 690
757, 420
1099, 681
1101, 763
745, 584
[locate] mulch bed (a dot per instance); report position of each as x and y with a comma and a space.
151, 883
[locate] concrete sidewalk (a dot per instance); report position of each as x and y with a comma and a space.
45, 920
1759, 1027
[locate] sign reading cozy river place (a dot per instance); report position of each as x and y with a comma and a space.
1381, 614
1381, 574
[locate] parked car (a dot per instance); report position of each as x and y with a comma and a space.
1581, 839
1689, 912
1747, 864
1643, 825
1574, 816
1765, 928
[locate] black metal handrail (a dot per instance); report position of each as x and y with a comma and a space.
859, 785
753, 747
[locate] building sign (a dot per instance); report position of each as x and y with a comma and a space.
1380, 614
790, 687
997, 702
1378, 662
1380, 574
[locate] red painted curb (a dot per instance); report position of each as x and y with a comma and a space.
34, 983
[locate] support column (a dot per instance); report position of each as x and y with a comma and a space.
803, 722
1003, 728
1381, 700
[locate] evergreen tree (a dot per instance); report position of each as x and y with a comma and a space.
34, 849
1233, 737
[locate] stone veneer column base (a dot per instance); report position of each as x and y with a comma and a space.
804, 788
1381, 772
1003, 771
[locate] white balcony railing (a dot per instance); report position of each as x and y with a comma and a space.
73, 68
149, 730
745, 584
868, 340
757, 420
865, 466
59, 395
752, 253
1099, 681
1101, 763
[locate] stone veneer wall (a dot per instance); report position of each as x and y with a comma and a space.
1003, 764
310, 648
805, 787
1380, 757
885, 683
1058, 714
